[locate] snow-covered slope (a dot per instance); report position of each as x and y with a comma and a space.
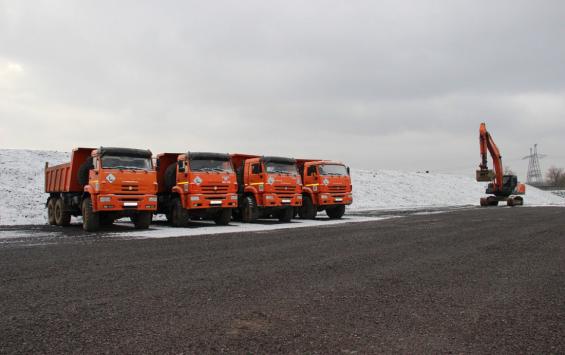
385, 189
22, 197
22, 200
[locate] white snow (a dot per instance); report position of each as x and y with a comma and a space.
22, 199
385, 189
205, 228
22, 196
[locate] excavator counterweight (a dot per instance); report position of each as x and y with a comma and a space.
501, 187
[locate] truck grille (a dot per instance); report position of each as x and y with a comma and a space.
214, 189
130, 187
337, 188
284, 189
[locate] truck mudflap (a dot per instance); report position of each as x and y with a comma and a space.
334, 199
202, 201
273, 199
111, 202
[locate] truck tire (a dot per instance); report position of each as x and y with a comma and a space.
51, 211
62, 217
223, 218
239, 177
179, 216
142, 220
83, 171
286, 214
336, 212
90, 219
249, 209
170, 177
307, 210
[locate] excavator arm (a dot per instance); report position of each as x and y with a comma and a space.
488, 146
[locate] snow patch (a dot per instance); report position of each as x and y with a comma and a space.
206, 228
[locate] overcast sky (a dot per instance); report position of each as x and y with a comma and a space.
377, 84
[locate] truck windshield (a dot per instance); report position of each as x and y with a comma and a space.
210, 165
280, 168
125, 162
332, 169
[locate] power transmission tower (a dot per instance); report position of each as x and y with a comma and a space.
534, 176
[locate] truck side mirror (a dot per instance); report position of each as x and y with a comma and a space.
348, 172
181, 166
157, 164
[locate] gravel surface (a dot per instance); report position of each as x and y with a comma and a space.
469, 281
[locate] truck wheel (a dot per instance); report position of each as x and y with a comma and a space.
51, 211
62, 217
179, 216
336, 212
142, 220
285, 215
223, 218
249, 209
83, 171
90, 219
307, 210
170, 176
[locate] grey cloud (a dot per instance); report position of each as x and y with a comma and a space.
379, 84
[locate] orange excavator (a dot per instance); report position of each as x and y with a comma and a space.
501, 187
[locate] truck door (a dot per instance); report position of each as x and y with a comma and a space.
255, 173
311, 175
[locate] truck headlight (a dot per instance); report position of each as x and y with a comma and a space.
299, 197
234, 197
105, 199
194, 198
324, 197
269, 197
261, 187
315, 188
153, 199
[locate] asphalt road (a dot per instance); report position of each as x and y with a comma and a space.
470, 281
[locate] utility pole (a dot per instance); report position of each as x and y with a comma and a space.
534, 176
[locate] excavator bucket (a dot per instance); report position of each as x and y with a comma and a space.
485, 175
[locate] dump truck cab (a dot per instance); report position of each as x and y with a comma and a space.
196, 185
327, 186
267, 187
102, 185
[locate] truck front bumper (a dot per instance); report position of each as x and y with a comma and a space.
325, 199
112, 202
201, 201
275, 200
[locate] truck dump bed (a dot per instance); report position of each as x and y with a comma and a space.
164, 159
64, 177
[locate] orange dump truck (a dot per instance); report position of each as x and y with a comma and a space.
196, 185
327, 186
102, 185
267, 187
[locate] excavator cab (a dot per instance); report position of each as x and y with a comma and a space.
509, 184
